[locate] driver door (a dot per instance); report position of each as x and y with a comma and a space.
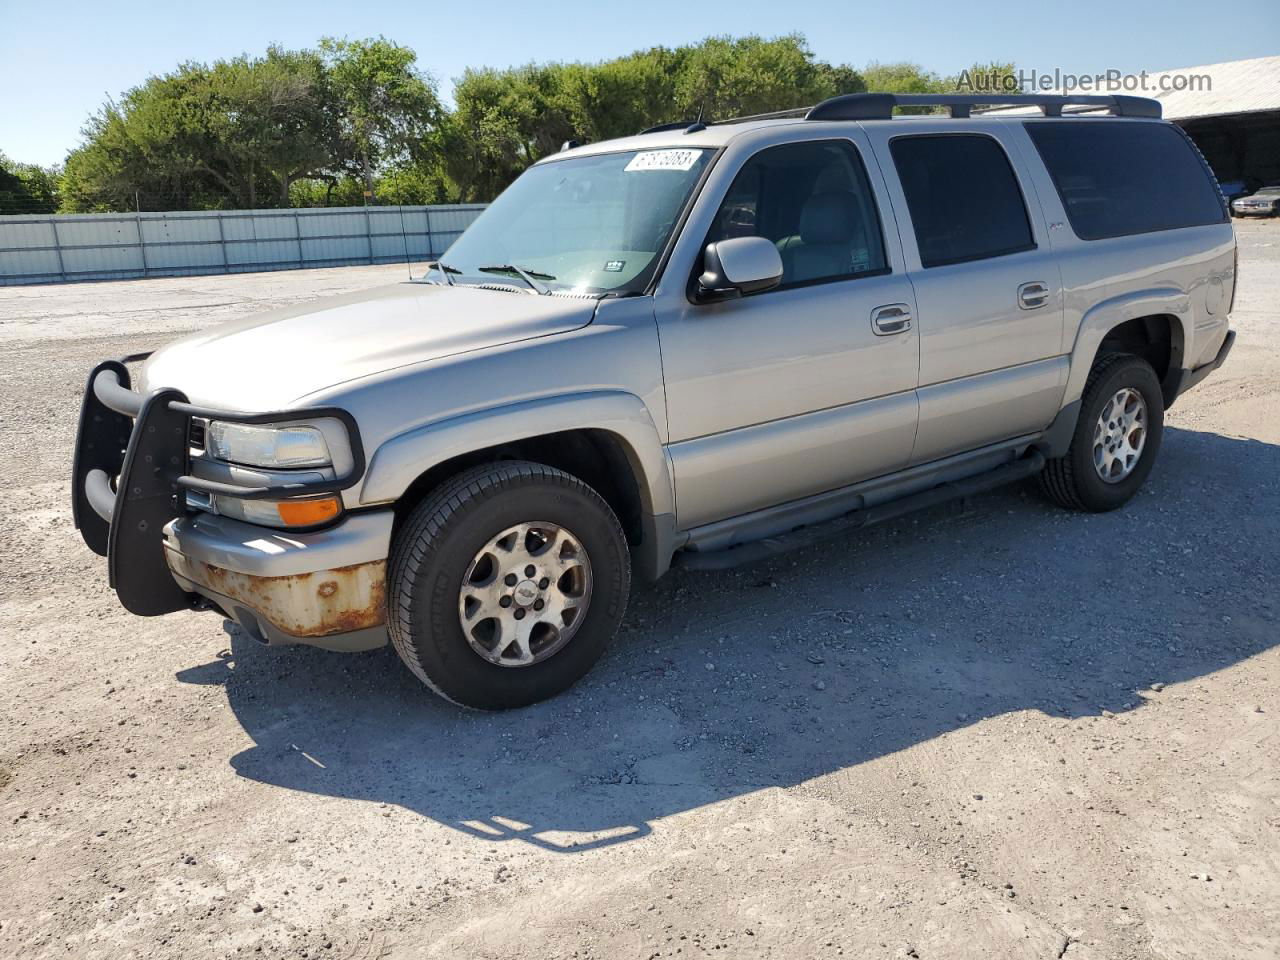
807, 387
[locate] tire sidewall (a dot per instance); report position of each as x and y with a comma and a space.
456, 669
1095, 492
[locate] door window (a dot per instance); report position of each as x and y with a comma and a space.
963, 197
813, 202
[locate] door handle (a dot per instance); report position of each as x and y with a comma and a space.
1033, 294
890, 319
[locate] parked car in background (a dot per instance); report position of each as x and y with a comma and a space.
1233, 189
1263, 203
699, 345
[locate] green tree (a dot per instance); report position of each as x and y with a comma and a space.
725, 77
207, 136
508, 119
27, 188
904, 77
386, 106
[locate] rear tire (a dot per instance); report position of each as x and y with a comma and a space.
452, 605
1116, 440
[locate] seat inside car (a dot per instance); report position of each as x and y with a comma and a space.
831, 228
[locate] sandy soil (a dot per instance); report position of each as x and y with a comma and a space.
1011, 732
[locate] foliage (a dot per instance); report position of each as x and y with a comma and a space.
27, 188
506, 119
386, 108
357, 121
241, 132
219, 136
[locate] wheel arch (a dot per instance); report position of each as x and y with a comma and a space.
1153, 324
607, 439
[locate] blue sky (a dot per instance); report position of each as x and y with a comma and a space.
59, 63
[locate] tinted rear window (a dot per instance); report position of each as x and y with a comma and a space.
1117, 178
964, 200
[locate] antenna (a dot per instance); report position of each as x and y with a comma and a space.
404, 235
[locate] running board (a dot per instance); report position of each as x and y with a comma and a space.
756, 550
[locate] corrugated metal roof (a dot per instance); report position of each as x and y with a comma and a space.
1237, 86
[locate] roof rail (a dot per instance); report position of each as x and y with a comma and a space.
772, 115
693, 126
664, 127
879, 106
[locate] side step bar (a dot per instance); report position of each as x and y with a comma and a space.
757, 550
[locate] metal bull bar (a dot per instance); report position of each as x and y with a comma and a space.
142, 443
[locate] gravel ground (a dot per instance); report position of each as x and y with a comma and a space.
1004, 732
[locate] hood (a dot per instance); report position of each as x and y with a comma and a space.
270, 361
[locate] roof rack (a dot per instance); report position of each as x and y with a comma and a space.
879, 106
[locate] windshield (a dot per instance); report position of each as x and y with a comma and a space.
589, 225
1268, 191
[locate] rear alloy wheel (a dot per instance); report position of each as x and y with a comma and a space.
1120, 435
506, 584
1116, 439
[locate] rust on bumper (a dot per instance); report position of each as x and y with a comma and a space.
317, 604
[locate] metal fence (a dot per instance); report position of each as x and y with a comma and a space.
112, 246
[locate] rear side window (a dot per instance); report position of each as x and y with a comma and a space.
963, 197
1117, 178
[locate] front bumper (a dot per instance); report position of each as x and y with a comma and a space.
1254, 211
326, 588
130, 479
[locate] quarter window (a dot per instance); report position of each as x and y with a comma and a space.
963, 198
813, 202
1118, 178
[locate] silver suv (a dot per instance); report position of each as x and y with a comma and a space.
699, 345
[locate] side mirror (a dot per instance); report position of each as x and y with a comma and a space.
738, 267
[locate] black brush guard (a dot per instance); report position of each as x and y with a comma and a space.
142, 441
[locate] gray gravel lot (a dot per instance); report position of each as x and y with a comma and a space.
1005, 732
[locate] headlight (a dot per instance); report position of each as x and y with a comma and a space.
267, 446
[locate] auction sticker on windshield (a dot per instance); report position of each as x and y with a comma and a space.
663, 160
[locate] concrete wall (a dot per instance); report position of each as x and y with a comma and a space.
109, 246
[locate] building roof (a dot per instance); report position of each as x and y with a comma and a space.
1238, 86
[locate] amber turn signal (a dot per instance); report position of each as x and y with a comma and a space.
310, 512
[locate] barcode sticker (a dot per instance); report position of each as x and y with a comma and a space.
663, 160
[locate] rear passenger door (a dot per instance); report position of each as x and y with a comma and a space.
987, 287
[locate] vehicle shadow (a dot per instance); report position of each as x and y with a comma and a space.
722, 684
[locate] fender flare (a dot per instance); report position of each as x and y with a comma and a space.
1096, 323
400, 460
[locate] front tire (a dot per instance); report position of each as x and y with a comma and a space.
1116, 440
465, 613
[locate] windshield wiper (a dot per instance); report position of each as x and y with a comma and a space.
444, 269
531, 277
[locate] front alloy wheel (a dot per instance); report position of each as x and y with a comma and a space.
524, 594
506, 583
